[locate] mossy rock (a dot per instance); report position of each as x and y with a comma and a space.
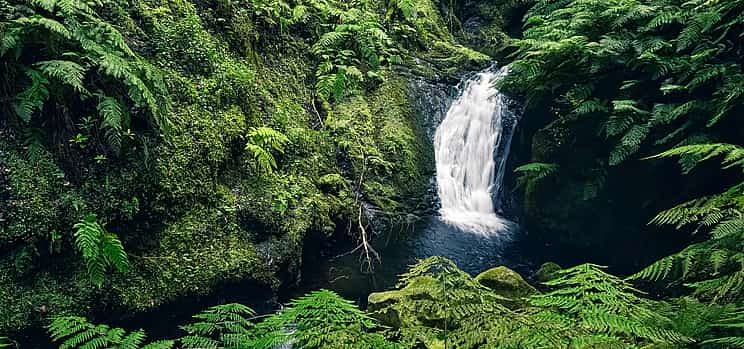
378, 303
548, 271
505, 282
419, 288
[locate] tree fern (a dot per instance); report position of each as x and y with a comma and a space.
662, 53
79, 50
100, 249
715, 268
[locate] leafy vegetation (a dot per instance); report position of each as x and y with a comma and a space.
438, 304
147, 112
82, 57
530, 174
713, 268
219, 325
77, 332
645, 72
261, 142
631, 79
101, 250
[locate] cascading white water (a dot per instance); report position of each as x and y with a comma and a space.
465, 145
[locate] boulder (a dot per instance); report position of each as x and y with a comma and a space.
378, 303
505, 282
548, 271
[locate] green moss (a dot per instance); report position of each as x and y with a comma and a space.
189, 211
382, 140
23, 304
178, 36
30, 210
505, 282
188, 166
418, 288
191, 255
548, 271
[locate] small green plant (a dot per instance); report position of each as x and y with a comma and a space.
77, 333
221, 325
101, 250
532, 173
321, 320
262, 141
80, 140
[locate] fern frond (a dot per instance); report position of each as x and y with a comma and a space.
100, 249
114, 120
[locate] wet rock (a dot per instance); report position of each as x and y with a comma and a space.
505, 282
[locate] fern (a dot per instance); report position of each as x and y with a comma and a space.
321, 320
629, 144
77, 333
659, 53
603, 303
75, 50
33, 97
262, 141
114, 120
218, 326
67, 72
531, 174
100, 249
715, 266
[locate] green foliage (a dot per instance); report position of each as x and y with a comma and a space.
221, 325
351, 40
262, 141
321, 320
585, 308
531, 174
585, 298
101, 250
64, 50
440, 305
714, 268
644, 72
358, 44
77, 333
447, 305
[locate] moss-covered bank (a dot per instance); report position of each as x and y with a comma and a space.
190, 210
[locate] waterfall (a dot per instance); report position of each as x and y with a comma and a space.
470, 168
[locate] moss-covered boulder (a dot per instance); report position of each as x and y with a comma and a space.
418, 289
391, 308
548, 271
505, 282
